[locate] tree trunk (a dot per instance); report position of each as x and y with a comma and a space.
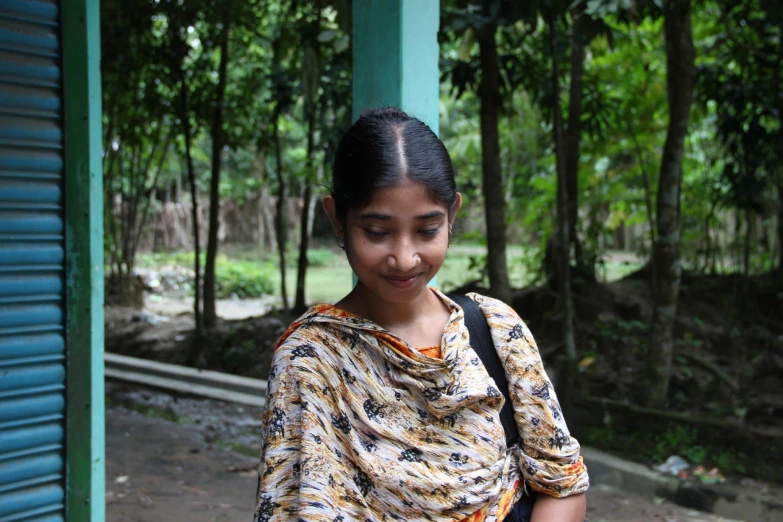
746, 247
780, 233
305, 224
563, 224
492, 179
300, 305
680, 79
210, 311
311, 72
282, 197
194, 196
571, 141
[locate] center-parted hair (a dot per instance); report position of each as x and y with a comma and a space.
386, 147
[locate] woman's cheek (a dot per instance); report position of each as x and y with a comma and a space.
436, 253
366, 254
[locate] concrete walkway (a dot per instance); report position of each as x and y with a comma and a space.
161, 471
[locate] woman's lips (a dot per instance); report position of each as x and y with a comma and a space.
402, 282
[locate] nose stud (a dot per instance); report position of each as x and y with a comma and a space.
418, 260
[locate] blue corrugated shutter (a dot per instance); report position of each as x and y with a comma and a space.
32, 347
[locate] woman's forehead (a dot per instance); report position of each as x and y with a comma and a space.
405, 199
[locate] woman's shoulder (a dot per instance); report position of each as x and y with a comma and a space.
311, 344
307, 337
494, 307
301, 358
503, 320
310, 327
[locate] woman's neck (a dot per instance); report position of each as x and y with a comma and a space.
366, 304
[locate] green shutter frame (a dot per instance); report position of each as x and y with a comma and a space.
85, 425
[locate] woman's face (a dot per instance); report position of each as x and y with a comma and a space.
398, 241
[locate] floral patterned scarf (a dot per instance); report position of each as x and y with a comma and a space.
358, 425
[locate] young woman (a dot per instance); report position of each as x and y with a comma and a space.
378, 408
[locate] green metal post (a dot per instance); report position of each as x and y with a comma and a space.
395, 58
85, 487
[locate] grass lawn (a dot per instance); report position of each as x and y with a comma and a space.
329, 283
329, 278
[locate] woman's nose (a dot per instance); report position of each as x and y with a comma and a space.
404, 257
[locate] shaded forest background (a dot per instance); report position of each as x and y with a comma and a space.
621, 162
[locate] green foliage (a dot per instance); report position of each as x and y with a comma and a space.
636, 445
730, 461
730, 162
244, 278
676, 439
600, 436
628, 334
741, 76
317, 257
621, 143
680, 440
158, 260
683, 440
238, 356
291, 60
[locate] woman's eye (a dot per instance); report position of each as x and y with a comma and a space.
429, 231
374, 233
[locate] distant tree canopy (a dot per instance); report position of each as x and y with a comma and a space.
575, 127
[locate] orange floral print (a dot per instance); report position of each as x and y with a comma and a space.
358, 425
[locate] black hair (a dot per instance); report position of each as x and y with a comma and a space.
384, 148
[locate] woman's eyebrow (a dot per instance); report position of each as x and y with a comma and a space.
375, 215
387, 217
430, 215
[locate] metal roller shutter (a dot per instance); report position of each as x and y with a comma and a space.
32, 346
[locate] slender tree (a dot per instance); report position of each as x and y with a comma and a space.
480, 22
187, 133
571, 141
311, 72
210, 311
281, 220
749, 106
492, 178
282, 95
680, 76
563, 221
780, 228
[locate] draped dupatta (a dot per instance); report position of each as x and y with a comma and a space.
358, 425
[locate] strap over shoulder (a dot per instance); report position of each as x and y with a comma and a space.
482, 344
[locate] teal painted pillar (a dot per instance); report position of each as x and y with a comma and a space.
85, 484
395, 58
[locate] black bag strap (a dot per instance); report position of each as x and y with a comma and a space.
481, 342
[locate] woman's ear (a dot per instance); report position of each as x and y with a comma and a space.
457, 206
330, 207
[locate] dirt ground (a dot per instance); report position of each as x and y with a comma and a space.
163, 471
